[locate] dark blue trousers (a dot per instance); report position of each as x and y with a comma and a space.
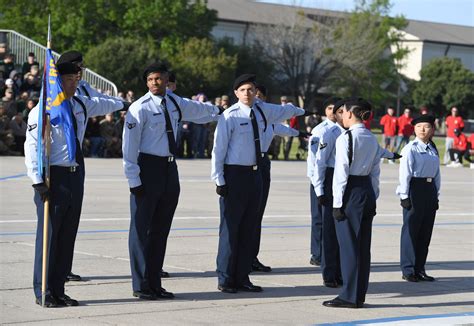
66, 194
316, 224
265, 167
330, 262
238, 223
417, 226
354, 235
151, 218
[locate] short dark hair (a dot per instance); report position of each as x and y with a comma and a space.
154, 67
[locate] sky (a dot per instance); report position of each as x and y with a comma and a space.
459, 12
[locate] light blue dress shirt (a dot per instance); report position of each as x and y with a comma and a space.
365, 161
234, 139
313, 145
419, 160
325, 156
279, 129
145, 128
59, 152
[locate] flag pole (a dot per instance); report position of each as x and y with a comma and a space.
47, 150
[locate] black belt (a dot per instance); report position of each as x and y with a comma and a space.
158, 158
423, 180
241, 167
70, 169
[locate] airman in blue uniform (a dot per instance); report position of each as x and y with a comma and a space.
316, 209
66, 187
149, 151
355, 189
236, 170
269, 131
418, 190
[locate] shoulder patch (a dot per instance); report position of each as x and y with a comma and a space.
322, 145
32, 127
131, 125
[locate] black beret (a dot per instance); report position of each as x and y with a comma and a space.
330, 101
424, 118
262, 89
67, 68
338, 104
244, 79
360, 102
70, 56
154, 67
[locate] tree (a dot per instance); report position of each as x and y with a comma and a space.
201, 66
445, 82
371, 69
250, 59
122, 60
301, 54
82, 24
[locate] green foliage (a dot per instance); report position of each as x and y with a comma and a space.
251, 59
445, 82
370, 71
200, 66
82, 24
122, 60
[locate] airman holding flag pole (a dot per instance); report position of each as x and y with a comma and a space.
55, 164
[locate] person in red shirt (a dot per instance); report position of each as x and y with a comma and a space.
460, 148
454, 121
389, 125
405, 129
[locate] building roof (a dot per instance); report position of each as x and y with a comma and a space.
443, 33
251, 11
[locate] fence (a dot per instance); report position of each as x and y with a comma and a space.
20, 46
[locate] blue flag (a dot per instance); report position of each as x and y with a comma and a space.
53, 102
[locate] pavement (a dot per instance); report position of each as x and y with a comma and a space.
293, 291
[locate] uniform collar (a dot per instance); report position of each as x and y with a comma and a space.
245, 108
421, 144
357, 126
156, 98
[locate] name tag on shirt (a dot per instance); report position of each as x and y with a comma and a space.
159, 113
244, 123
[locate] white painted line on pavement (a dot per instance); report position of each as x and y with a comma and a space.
216, 217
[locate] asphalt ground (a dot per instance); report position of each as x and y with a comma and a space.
293, 291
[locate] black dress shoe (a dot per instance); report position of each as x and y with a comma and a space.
145, 295
65, 300
339, 303
422, 276
331, 284
49, 301
164, 274
410, 278
257, 266
250, 288
315, 262
73, 277
163, 294
226, 289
